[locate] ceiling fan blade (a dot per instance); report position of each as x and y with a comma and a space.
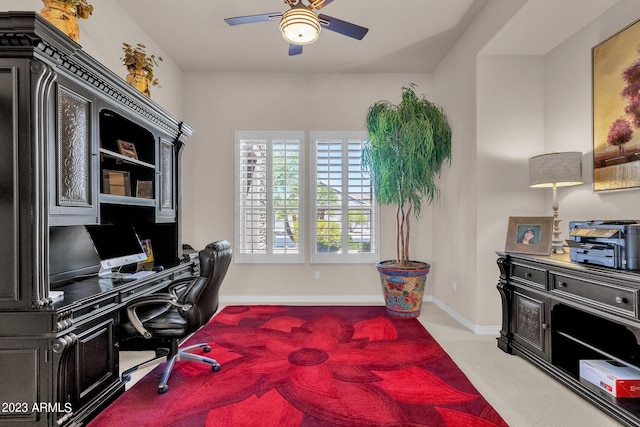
343, 27
250, 19
295, 49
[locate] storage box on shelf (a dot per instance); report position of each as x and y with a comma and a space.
614, 378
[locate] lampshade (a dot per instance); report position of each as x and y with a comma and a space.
561, 169
300, 25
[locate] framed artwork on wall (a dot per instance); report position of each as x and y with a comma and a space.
616, 111
529, 235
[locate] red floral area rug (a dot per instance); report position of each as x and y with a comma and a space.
309, 366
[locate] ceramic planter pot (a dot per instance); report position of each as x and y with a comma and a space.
403, 288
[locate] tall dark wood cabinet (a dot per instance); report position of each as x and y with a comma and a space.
63, 117
556, 312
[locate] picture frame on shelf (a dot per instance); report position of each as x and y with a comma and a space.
148, 263
127, 149
529, 235
117, 183
616, 113
144, 189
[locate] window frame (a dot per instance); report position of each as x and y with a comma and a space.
240, 255
335, 257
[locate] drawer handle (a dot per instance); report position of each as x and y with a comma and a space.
562, 284
621, 300
528, 275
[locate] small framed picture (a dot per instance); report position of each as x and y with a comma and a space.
127, 149
116, 183
529, 235
144, 189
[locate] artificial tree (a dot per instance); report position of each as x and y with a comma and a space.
407, 147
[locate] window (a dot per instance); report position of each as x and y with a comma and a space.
344, 216
268, 197
270, 225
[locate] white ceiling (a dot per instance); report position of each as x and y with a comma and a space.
404, 35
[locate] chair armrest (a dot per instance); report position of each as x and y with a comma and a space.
183, 282
149, 300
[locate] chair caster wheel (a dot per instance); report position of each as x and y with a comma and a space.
163, 389
216, 367
206, 349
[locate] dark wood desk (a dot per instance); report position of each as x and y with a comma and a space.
556, 313
66, 354
62, 114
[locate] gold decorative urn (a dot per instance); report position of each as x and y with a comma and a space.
140, 66
138, 79
64, 14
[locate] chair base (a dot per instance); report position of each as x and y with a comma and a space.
172, 355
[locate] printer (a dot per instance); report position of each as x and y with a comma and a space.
608, 243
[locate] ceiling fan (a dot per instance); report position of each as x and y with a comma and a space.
300, 25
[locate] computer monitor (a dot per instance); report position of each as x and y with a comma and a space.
71, 254
116, 245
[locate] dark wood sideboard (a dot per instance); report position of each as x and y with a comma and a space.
556, 312
61, 115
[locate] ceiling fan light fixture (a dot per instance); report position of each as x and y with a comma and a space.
300, 26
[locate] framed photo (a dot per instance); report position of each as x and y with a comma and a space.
529, 235
144, 189
148, 263
116, 183
616, 111
127, 149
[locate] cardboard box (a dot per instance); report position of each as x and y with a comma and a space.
615, 378
116, 183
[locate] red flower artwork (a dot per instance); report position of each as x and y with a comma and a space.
282, 369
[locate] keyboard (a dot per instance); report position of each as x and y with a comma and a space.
139, 275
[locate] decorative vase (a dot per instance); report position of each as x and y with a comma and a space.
403, 287
138, 79
62, 16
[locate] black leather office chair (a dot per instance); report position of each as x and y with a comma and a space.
171, 317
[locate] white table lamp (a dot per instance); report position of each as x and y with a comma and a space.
556, 170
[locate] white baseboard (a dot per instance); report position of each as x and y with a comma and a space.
304, 299
350, 300
476, 329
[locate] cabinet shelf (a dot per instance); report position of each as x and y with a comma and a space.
120, 158
126, 200
603, 354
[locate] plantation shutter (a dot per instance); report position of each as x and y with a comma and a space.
344, 215
268, 197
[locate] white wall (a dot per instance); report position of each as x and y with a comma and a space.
506, 109
503, 110
102, 35
568, 118
221, 103
463, 224
510, 130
